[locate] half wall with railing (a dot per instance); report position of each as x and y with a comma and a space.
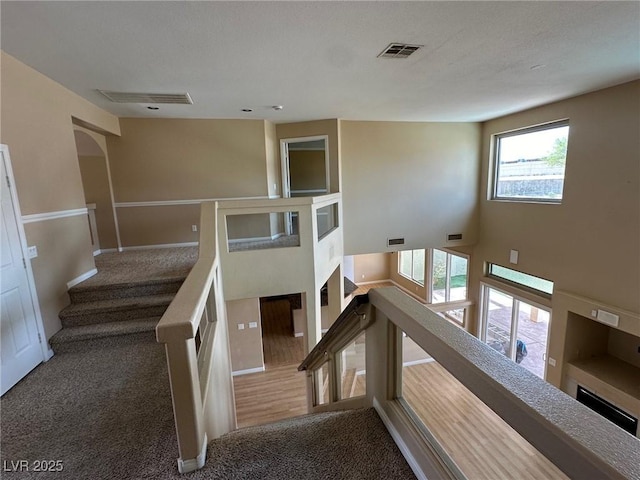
194, 332
456, 407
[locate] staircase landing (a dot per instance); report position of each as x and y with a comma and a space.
124, 301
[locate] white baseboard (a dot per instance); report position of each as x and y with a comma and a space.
162, 245
248, 371
298, 334
104, 250
373, 281
418, 362
397, 438
81, 278
251, 239
48, 355
193, 464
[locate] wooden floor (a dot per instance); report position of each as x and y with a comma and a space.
480, 442
280, 391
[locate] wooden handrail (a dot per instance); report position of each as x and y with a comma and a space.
346, 327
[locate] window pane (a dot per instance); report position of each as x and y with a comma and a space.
498, 321
405, 263
531, 165
458, 284
418, 266
321, 385
533, 326
352, 369
525, 279
439, 276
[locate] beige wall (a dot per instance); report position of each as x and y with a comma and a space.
588, 245
371, 267
307, 169
96, 190
36, 121
158, 225
171, 160
246, 345
413, 180
315, 128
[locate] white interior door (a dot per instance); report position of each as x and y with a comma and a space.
20, 340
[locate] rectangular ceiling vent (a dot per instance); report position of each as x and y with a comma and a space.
395, 241
134, 97
399, 50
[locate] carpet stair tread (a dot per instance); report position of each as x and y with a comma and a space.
103, 330
116, 304
159, 286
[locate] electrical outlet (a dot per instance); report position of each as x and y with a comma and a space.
552, 362
194, 228
32, 251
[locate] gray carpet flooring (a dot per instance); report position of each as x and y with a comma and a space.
142, 265
106, 414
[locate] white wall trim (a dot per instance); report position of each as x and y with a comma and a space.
195, 201
252, 239
193, 464
104, 250
39, 217
298, 334
248, 371
397, 438
314, 190
81, 278
374, 281
160, 245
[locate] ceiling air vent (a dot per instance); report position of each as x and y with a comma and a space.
133, 97
398, 50
395, 241
454, 236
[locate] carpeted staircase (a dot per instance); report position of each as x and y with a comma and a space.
112, 308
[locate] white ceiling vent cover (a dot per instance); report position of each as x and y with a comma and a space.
133, 97
399, 50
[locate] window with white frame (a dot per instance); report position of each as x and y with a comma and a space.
529, 164
411, 265
449, 274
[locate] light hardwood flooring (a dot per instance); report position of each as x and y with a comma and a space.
280, 391
480, 442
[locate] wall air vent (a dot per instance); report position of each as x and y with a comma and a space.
454, 236
133, 97
399, 50
395, 241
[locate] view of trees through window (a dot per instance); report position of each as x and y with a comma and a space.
530, 163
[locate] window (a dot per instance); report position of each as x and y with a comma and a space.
411, 265
516, 328
540, 285
448, 277
529, 164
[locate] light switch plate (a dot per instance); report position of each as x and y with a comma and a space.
241, 326
32, 251
253, 324
513, 257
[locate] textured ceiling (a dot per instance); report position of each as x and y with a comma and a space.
319, 59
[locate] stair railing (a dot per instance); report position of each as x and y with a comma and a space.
194, 332
575, 439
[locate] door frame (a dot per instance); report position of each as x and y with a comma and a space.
47, 353
285, 171
517, 299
